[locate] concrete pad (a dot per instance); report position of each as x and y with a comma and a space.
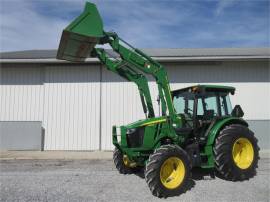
5, 155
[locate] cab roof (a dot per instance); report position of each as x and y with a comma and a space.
207, 88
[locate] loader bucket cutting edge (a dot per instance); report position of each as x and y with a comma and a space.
80, 37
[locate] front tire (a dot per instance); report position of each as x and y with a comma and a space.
236, 153
168, 171
120, 162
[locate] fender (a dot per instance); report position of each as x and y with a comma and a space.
219, 125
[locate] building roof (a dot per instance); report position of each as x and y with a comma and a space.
165, 54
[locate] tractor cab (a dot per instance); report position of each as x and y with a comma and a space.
201, 105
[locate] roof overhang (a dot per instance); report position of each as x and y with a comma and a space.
161, 55
159, 59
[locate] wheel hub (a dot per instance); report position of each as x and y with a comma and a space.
243, 153
127, 162
172, 172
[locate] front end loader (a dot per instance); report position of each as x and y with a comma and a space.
197, 126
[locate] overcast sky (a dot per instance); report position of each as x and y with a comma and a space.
37, 24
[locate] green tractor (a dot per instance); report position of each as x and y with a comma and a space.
197, 126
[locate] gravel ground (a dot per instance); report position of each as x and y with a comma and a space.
98, 180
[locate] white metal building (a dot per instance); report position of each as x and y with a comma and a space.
78, 103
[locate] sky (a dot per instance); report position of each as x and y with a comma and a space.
38, 24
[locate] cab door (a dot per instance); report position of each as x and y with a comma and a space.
207, 109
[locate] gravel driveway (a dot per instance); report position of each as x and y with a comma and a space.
98, 180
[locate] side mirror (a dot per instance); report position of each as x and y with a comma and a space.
237, 111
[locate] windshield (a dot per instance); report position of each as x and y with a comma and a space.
183, 102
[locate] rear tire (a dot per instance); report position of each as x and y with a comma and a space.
119, 162
168, 171
236, 153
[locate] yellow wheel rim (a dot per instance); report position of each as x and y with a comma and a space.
172, 172
127, 162
243, 153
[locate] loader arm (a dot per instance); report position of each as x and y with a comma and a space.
137, 61
121, 68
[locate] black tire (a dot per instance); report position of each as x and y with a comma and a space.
153, 167
223, 152
119, 163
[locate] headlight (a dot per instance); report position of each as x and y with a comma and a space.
132, 130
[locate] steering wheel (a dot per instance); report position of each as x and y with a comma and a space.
190, 110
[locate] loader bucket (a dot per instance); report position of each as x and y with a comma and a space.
80, 37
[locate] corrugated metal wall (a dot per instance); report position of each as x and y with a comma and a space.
21, 93
250, 78
66, 98
71, 107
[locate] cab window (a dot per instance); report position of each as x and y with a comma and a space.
207, 106
200, 111
183, 103
225, 105
211, 104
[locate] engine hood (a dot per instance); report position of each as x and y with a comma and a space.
146, 122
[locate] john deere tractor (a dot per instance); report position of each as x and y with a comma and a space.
197, 126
